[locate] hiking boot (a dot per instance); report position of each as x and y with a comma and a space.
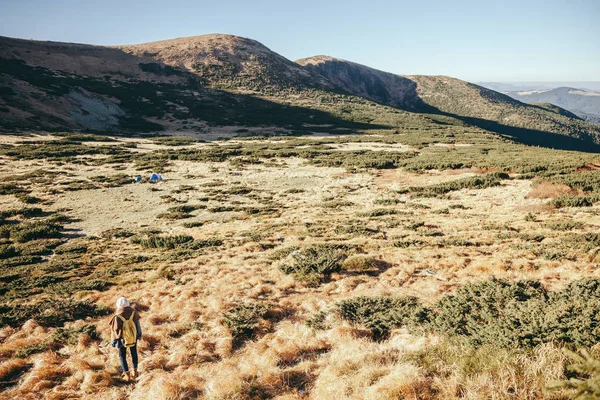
126, 376
134, 373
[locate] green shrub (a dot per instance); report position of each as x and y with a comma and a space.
497, 313
403, 244
70, 336
221, 209
493, 312
175, 140
564, 225
193, 224
184, 242
413, 226
458, 207
378, 212
28, 199
336, 204
318, 321
586, 181
35, 230
283, 252
165, 242
112, 181
355, 230
174, 215
50, 312
381, 314
11, 188
294, 191
575, 201
70, 287
26, 212
244, 320
8, 251
475, 182
387, 202
29, 282
456, 242
521, 314
314, 263
116, 233
28, 350
188, 208
569, 315
72, 248
586, 382
430, 233
202, 243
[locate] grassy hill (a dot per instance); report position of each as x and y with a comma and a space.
461, 100
184, 85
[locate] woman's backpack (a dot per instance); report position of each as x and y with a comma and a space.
129, 334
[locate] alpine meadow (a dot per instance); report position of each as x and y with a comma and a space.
288, 229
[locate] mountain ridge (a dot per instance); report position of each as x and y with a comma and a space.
453, 97
193, 83
584, 103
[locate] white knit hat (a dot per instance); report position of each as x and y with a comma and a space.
122, 302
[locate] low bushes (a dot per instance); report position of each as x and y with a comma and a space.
564, 225
8, 251
475, 182
181, 212
112, 181
378, 212
26, 232
355, 230
575, 201
586, 382
50, 312
70, 335
164, 242
244, 320
381, 314
70, 287
313, 264
494, 312
177, 242
60, 337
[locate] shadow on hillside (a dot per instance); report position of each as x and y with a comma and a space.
375, 85
166, 94
531, 137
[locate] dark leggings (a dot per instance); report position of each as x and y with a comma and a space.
123, 357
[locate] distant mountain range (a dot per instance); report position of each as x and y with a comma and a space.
585, 104
193, 84
525, 86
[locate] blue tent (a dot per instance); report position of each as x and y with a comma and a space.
155, 178
137, 179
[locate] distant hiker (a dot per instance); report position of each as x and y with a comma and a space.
125, 331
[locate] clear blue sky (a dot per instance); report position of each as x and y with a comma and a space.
476, 40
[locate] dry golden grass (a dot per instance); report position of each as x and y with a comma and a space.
187, 352
548, 190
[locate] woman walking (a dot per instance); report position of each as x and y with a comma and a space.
125, 331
